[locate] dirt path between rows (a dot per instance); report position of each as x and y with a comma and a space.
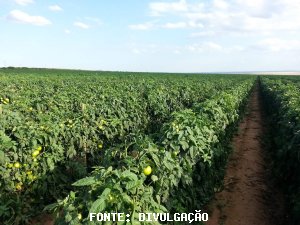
249, 197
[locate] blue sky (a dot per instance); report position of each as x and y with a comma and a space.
144, 35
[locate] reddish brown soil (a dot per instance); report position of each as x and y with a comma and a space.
248, 197
43, 220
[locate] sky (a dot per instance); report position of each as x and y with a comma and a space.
151, 36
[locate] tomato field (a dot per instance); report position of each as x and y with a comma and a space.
75, 142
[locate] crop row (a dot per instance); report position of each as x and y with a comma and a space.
281, 97
187, 165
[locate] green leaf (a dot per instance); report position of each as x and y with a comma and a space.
192, 153
85, 181
168, 165
155, 159
184, 145
109, 169
51, 207
162, 208
100, 204
154, 178
68, 217
126, 198
158, 198
132, 184
50, 164
129, 175
2, 158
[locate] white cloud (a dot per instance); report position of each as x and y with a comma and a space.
228, 27
144, 49
205, 46
136, 51
181, 25
213, 46
95, 20
220, 4
22, 17
81, 25
67, 31
238, 16
157, 8
202, 34
194, 24
236, 48
175, 25
168, 25
142, 26
277, 44
24, 2
55, 8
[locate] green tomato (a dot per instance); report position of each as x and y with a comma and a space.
30, 177
35, 153
175, 153
147, 170
111, 198
17, 165
19, 186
